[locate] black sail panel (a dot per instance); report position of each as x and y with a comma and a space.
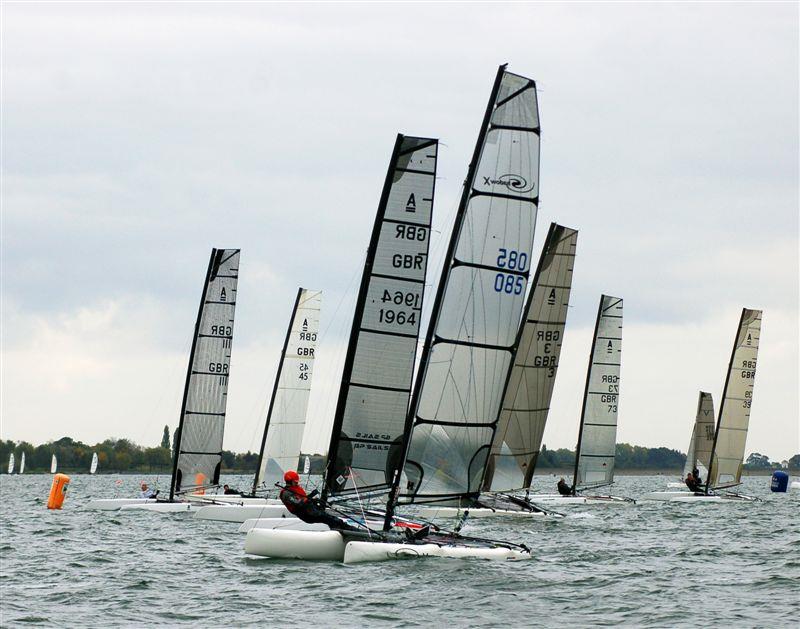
376, 382
479, 303
199, 442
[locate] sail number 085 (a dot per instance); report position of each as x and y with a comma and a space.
515, 261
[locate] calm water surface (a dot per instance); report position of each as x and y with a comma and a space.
650, 565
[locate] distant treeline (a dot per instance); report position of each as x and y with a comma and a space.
122, 455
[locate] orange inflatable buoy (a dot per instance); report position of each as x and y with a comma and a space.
58, 491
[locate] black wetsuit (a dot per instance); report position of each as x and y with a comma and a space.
309, 510
692, 484
564, 489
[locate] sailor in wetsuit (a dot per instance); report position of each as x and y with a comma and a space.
563, 488
306, 507
697, 479
691, 482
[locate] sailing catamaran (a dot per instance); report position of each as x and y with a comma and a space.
698, 456
371, 410
438, 452
526, 400
286, 417
727, 449
198, 452
53, 464
11, 463
22, 463
93, 466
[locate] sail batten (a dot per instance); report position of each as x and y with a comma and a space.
371, 410
478, 305
526, 400
597, 437
730, 438
288, 407
198, 452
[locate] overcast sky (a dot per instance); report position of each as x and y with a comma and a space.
136, 137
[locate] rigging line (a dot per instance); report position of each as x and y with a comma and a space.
360, 504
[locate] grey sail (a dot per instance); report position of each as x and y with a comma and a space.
597, 439
699, 453
734, 411
370, 416
478, 307
198, 453
526, 401
288, 406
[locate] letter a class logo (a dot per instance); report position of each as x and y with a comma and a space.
411, 204
551, 298
223, 296
610, 348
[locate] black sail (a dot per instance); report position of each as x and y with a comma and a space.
198, 453
376, 381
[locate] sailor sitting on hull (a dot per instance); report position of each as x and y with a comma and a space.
306, 507
692, 482
147, 492
563, 488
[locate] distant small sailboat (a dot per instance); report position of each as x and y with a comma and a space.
93, 467
726, 458
53, 464
22, 463
698, 456
11, 463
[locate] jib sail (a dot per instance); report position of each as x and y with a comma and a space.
198, 453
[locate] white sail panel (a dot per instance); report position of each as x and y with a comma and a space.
597, 440
699, 453
286, 419
22, 463
734, 412
53, 464
478, 308
200, 433
93, 466
11, 463
373, 400
530, 387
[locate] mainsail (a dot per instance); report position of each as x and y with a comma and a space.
478, 305
699, 454
734, 410
526, 401
22, 463
286, 417
597, 439
370, 418
93, 466
198, 454
53, 464
11, 463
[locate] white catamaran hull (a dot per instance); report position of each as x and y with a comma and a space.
115, 504
430, 513
240, 513
284, 524
361, 552
231, 499
567, 501
162, 507
285, 544
685, 496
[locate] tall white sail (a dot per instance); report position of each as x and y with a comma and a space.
22, 463
699, 453
286, 417
479, 302
198, 455
53, 464
526, 401
11, 463
93, 466
597, 439
372, 409
734, 411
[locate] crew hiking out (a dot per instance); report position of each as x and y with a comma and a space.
306, 507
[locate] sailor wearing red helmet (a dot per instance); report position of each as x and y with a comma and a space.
306, 507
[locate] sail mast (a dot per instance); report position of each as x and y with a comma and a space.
176, 454
378, 369
275, 390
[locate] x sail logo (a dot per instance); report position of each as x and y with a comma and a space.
515, 183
